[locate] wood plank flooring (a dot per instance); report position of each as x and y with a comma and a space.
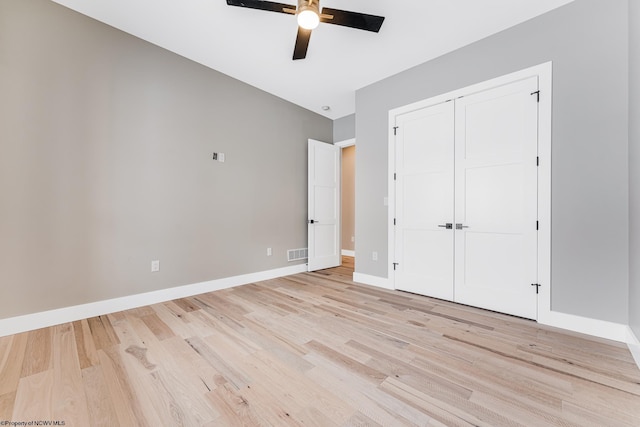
315, 349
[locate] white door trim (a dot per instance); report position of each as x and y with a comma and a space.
345, 143
544, 74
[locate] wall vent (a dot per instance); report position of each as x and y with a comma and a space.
297, 254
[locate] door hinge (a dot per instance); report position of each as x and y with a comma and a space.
395, 176
394, 221
537, 225
395, 128
537, 93
395, 264
537, 285
538, 161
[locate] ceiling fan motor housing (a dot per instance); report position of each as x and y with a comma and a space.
311, 5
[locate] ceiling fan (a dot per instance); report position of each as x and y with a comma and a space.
309, 16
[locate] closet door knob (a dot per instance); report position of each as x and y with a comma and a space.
448, 226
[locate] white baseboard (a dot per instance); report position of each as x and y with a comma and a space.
598, 328
379, 282
634, 345
29, 322
347, 252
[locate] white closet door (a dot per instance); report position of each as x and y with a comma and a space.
424, 196
496, 199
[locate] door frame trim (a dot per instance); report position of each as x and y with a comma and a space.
544, 74
346, 143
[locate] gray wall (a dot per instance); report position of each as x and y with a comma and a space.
105, 165
634, 165
587, 41
344, 128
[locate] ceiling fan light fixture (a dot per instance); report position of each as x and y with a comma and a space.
308, 19
308, 14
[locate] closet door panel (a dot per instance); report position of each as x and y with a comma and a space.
496, 199
424, 201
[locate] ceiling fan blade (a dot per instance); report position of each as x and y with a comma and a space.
302, 43
360, 21
262, 5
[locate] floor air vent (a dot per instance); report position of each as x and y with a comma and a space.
296, 254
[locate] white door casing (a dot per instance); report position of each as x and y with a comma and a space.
424, 191
496, 199
323, 223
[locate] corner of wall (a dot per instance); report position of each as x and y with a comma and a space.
634, 170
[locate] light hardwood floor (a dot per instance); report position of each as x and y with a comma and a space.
315, 350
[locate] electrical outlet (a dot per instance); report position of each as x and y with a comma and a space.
353, 239
155, 266
269, 252
374, 256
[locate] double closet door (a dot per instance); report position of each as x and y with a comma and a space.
466, 199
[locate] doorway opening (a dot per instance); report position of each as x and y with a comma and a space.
347, 213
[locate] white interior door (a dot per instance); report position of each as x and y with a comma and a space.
323, 224
424, 195
496, 199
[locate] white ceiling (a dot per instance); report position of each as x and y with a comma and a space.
256, 46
